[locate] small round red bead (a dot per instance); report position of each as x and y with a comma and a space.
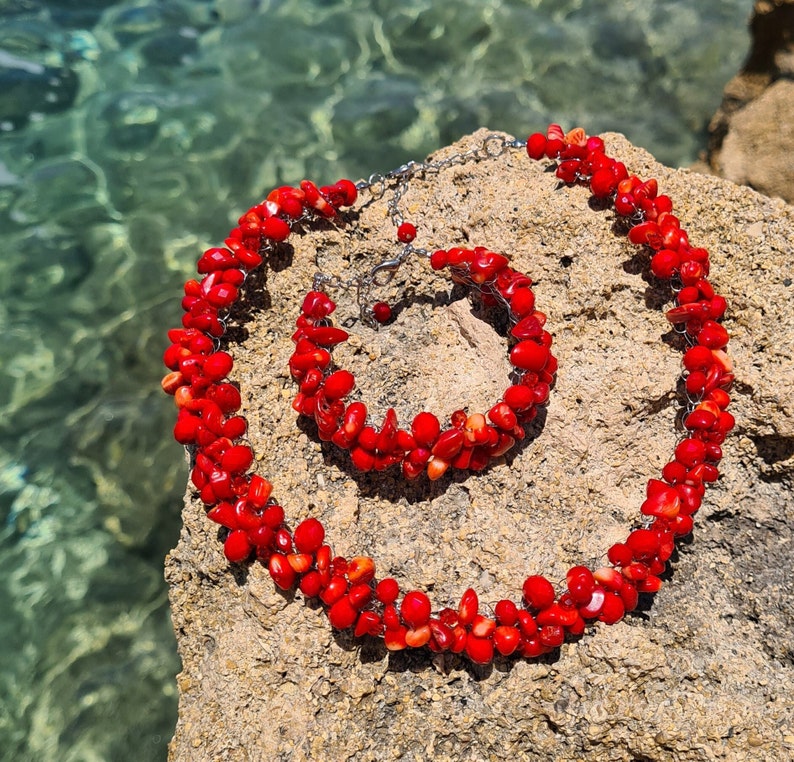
406, 232
381, 312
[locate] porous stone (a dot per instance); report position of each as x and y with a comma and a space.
701, 672
751, 138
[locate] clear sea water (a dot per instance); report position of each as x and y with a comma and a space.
131, 135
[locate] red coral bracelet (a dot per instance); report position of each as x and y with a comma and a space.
208, 422
472, 440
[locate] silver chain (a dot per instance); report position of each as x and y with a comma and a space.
396, 184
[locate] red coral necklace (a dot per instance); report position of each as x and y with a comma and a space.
209, 424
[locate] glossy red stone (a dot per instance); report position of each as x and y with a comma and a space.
528, 355
538, 592
415, 609
308, 536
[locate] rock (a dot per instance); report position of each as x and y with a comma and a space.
758, 149
700, 672
751, 138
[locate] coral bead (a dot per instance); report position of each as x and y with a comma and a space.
381, 312
612, 610
479, 650
342, 614
237, 459
275, 229
603, 183
644, 543
361, 569
281, 572
506, 612
506, 639
415, 609
237, 547
218, 365
387, 590
528, 355
339, 384
311, 584
425, 429
369, 623
448, 444
536, 146
665, 263
551, 635
469, 604
538, 592
712, 335
406, 232
308, 536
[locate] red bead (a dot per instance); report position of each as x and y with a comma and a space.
387, 590
336, 588
273, 516
325, 335
281, 572
311, 584
425, 429
342, 614
448, 444
594, 606
536, 146
712, 335
237, 547
237, 459
479, 650
663, 501
308, 536
369, 623
644, 543
664, 263
522, 302
275, 228
361, 569
468, 607
217, 365
506, 639
538, 592
620, 554
506, 612
482, 626
580, 584
529, 355
442, 634
339, 384
519, 398
603, 183
551, 635
415, 609
613, 609
381, 312
406, 232
690, 452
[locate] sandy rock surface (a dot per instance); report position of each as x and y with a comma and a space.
702, 671
752, 134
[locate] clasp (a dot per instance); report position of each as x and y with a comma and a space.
387, 269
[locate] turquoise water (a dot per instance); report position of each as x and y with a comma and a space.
131, 134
